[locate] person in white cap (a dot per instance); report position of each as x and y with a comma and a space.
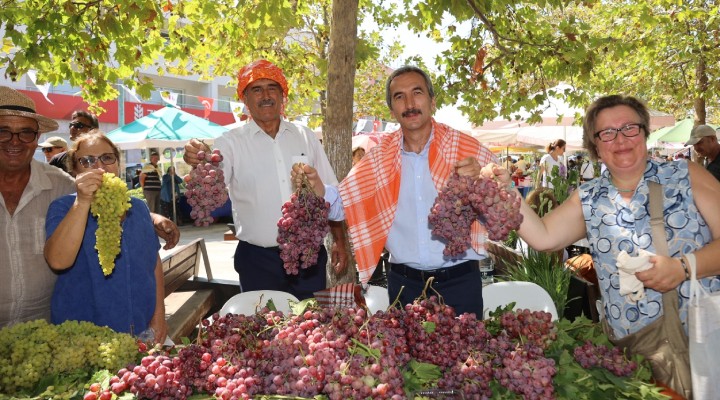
703, 139
53, 145
26, 190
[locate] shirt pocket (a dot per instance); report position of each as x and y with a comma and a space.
37, 233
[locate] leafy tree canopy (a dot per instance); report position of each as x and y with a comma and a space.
96, 44
514, 52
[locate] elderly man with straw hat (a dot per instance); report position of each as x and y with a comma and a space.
27, 188
258, 159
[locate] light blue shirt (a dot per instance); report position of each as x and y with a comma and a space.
410, 240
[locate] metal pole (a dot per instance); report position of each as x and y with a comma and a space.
172, 183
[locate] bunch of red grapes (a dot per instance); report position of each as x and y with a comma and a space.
302, 229
613, 359
206, 190
464, 200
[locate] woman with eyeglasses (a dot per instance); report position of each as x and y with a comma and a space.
613, 213
131, 298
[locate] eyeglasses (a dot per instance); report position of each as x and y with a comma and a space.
91, 161
25, 135
609, 134
79, 125
50, 149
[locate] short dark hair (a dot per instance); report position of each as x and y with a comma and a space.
404, 70
608, 102
87, 115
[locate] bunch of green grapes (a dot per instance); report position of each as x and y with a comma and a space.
109, 205
30, 351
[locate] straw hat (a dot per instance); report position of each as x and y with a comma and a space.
54, 141
15, 103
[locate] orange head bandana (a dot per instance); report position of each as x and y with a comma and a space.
260, 69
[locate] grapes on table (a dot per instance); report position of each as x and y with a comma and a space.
302, 228
464, 200
334, 353
613, 359
206, 190
109, 205
30, 351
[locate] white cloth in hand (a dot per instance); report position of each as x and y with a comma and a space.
631, 286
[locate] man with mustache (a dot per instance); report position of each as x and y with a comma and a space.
258, 158
387, 197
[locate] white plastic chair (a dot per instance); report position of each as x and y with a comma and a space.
376, 298
247, 302
526, 295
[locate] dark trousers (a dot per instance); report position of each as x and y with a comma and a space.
463, 293
152, 198
261, 268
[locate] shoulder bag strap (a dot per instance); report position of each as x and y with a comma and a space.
657, 223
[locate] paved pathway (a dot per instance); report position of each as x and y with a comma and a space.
220, 251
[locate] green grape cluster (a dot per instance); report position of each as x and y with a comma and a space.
111, 202
30, 351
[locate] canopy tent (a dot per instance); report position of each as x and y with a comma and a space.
673, 136
559, 121
166, 127
366, 141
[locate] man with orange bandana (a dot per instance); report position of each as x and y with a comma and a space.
387, 198
258, 158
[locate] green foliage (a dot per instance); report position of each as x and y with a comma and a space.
508, 54
97, 44
547, 271
563, 185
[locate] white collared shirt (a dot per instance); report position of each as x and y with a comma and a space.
257, 173
27, 281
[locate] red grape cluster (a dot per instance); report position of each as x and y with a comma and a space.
498, 207
302, 229
452, 215
526, 372
435, 335
206, 190
471, 377
590, 356
347, 353
535, 327
465, 199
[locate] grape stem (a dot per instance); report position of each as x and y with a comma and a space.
428, 284
397, 298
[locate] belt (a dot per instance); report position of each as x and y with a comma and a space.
440, 274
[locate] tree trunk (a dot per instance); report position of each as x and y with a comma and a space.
700, 102
702, 85
337, 125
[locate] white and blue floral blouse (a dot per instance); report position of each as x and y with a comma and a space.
613, 225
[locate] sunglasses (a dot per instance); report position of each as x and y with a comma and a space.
79, 125
91, 161
50, 149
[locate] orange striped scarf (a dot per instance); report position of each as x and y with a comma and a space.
371, 189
